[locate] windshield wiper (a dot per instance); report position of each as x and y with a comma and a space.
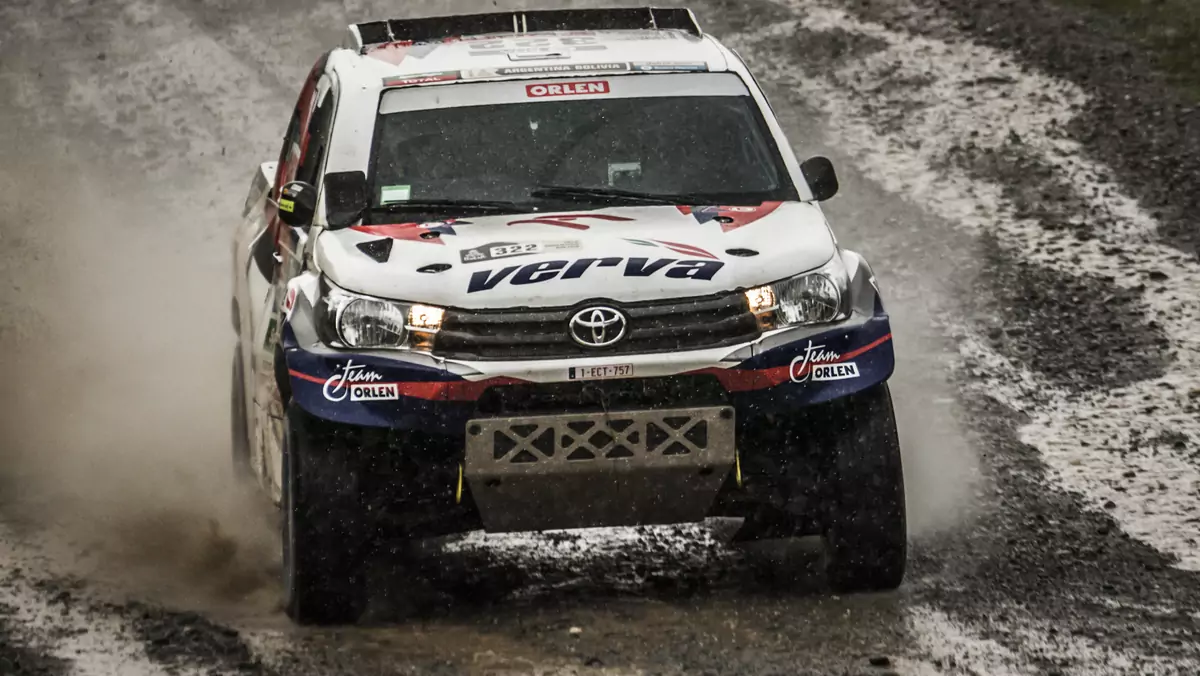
438, 206
609, 195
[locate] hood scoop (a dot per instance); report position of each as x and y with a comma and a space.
379, 250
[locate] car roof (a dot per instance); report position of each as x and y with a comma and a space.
549, 53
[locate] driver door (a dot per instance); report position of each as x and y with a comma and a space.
278, 257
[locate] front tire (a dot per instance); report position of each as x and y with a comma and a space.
835, 471
325, 539
865, 526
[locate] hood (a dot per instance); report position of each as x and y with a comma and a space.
560, 259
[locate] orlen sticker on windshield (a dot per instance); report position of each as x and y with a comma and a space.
538, 91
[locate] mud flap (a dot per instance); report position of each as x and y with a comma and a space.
601, 469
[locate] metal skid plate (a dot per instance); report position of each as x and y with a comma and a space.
599, 469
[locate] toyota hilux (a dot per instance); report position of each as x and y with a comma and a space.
537, 270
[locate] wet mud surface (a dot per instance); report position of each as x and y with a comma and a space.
1062, 325
1046, 390
1139, 125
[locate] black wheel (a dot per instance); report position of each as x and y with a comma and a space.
864, 520
325, 539
239, 426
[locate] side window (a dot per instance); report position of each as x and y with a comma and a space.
317, 136
290, 139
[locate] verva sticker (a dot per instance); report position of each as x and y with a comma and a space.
538, 91
600, 372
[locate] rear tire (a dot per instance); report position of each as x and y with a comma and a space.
325, 539
865, 525
239, 426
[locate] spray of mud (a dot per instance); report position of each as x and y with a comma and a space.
115, 339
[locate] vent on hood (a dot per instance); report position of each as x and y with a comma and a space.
379, 250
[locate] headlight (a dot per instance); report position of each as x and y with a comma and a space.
347, 319
817, 297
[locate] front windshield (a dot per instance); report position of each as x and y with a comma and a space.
634, 137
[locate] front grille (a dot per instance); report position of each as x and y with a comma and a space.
602, 395
658, 326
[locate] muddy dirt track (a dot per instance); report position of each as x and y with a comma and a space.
1024, 190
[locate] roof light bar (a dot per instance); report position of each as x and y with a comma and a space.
429, 29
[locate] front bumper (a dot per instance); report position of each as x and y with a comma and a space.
783, 371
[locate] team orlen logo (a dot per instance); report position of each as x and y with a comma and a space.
819, 364
359, 384
545, 271
538, 91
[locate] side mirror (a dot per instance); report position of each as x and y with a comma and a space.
346, 197
821, 177
297, 204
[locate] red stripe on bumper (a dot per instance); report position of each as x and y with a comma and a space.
457, 390
733, 380
744, 380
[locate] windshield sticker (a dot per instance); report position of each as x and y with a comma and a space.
623, 173
653, 66
496, 250
569, 220
538, 91
685, 249
564, 68
409, 81
395, 193
544, 271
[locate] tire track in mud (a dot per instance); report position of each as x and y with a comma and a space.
60, 634
905, 106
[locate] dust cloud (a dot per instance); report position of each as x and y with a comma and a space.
116, 341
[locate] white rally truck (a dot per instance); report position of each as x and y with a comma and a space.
553, 269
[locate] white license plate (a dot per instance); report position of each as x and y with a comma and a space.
600, 372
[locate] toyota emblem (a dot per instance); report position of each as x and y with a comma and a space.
597, 326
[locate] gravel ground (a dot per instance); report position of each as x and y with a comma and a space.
1021, 182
